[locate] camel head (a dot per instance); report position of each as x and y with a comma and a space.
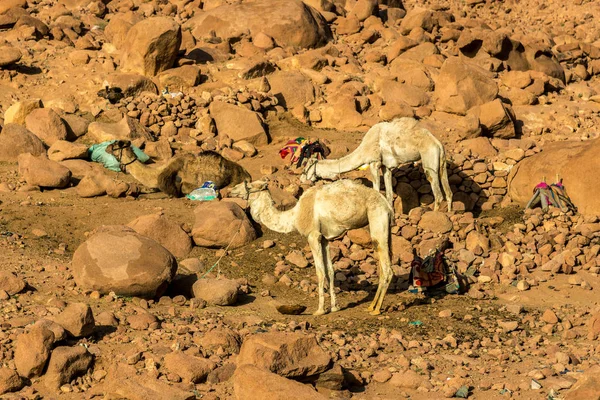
245, 189
309, 174
123, 152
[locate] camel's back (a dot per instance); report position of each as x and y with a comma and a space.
404, 140
343, 203
211, 166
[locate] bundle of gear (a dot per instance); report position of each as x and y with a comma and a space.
301, 149
551, 195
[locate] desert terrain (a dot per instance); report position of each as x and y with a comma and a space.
109, 290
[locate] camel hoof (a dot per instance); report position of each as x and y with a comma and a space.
319, 312
335, 309
374, 312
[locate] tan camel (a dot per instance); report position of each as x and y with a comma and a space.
387, 145
322, 214
181, 174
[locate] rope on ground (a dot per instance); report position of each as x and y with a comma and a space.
223, 255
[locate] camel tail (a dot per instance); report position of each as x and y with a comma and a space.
443, 173
167, 179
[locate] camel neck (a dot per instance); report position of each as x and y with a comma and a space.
263, 211
347, 163
145, 175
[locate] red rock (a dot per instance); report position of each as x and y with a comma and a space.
223, 339
77, 319
10, 381
46, 124
10, 283
220, 292
32, 351
217, 222
151, 46
291, 355
16, 113
461, 86
62, 150
297, 24
166, 232
292, 88
587, 386
408, 379
497, 119
238, 123
65, 364
189, 368
116, 259
550, 317
436, 222
16, 139
40, 171
123, 380
252, 383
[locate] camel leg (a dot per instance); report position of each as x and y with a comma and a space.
379, 225
377, 293
387, 181
331, 273
375, 166
445, 182
434, 181
314, 241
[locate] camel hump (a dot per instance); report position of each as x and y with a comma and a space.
167, 179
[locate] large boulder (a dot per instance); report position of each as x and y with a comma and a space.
67, 363
238, 123
497, 119
9, 55
292, 88
587, 386
131, 84
40, 171
253, 383
32, 351
189, 368
46, 124
6, 5
289, 354
15, 139
62, 150
127, 128
151, 46
117, 259
461, 86
164, 231
288, 22
218, 292
219, 222
575, 162
76, 319
16, 113
11, 283
124, 382
10, 381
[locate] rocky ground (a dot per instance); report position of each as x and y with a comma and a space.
108, 293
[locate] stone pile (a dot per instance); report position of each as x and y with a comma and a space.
189, 114
42, 350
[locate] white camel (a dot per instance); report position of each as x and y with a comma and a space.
387, 145
322, 214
